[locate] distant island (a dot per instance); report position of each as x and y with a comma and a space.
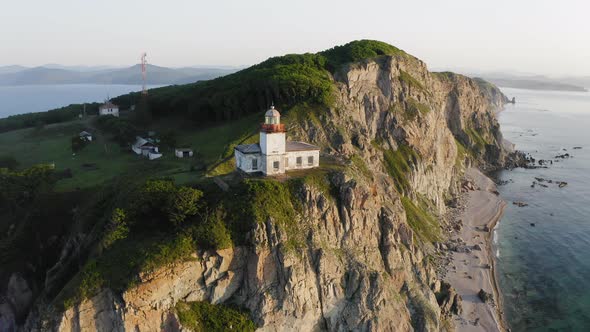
57, 74
534, 84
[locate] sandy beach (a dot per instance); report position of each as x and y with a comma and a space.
472, 268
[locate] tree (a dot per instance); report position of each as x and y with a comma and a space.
117, 228
78, 143
143, 113
8, 162
184, 203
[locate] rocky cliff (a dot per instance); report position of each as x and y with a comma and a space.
396, 139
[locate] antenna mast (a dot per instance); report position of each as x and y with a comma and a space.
143, 72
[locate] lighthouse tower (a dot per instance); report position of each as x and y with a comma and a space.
273, 143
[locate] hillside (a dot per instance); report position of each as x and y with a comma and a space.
53, 74
348, 246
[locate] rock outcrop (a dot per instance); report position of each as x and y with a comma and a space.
366, 265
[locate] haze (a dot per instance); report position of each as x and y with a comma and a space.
542, 37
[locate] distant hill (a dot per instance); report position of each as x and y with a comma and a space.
11, 69
531, 81
57, 74
534, 84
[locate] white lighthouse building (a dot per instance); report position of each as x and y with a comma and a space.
274, 154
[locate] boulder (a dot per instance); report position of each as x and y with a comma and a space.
485, 297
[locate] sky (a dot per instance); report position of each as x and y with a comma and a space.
525, 36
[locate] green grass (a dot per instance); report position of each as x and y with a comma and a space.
118, 268
399, 164
206, 317
476, 139
361, 166
358, 50
102, 160
424, 225
410, 80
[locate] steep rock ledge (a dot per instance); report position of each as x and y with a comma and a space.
363, 265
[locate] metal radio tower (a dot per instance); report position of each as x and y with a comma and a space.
143, 72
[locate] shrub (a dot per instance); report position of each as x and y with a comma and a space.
117, 228
78, 143
206, 317
399, 164
8, 162
424, 225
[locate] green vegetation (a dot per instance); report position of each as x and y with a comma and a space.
358, 50
118, 267
158, 223
287, 80
361, 166
206, 317
39, 119
423, 313
424, 225
412, 110
476, 139
121, 129
410, 80
462, 154
399, 164
8, 162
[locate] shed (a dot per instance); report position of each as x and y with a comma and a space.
86, 136
183, 152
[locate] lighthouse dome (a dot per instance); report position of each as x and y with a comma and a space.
272, 112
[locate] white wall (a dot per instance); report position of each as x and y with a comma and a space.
244, 162
109, 111
272, 143
292, 157
268, 167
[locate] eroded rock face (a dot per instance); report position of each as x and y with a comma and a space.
360, 265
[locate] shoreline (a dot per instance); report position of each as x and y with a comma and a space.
472, 265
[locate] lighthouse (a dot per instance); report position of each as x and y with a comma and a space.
273, 154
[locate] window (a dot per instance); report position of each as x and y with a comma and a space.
275, 165
310, 161
286, 162
254, 164
299, 161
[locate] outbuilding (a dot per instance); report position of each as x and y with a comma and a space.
86, 136
183, 152
146, 147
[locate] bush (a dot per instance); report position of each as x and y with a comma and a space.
212, 233
121, 130
161, 200
206, 317
78, 143
40, 119
117, 229
8, 162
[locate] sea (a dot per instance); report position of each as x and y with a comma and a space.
543, 249
39, 98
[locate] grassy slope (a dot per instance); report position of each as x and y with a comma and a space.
52, 145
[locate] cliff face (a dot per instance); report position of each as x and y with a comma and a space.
404, 135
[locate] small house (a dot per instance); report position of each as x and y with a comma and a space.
146, 148
108, 108
183, 152
86, 136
